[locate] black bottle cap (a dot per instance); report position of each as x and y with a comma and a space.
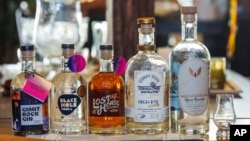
27, 47
106, 47
68, 46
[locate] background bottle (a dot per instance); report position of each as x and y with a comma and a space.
146, 76
106, 97
68, 99
29, 114
189, 92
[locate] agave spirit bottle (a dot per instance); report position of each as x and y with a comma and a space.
146, 84
68, 99
106, 97
29, 113
189, 91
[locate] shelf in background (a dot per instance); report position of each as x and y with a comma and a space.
229, 88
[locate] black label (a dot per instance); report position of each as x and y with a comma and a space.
67, 103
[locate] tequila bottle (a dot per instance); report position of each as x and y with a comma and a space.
68, 99
29, 114
147, 90
189, 92
106, 97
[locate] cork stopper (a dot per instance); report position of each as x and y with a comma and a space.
146, 24
27, 52
189, 13
106, 52
67, 50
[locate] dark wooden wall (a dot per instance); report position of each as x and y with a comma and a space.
125, 33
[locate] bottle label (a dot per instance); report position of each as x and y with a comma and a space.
31, 115
28, 113
149, 89
67, 103
194, 86
106, 103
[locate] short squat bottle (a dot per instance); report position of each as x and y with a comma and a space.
68, 99
29, 113
146, 85
106, 97
189, 91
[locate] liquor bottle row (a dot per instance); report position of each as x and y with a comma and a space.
152, 97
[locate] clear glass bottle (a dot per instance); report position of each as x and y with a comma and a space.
68, 99
29, 114
147, 90
106, 97
189, 91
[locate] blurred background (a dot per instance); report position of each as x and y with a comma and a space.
215, 21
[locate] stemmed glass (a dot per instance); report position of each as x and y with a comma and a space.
224, 115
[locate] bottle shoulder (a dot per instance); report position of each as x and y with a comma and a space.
145, 61
190, 49
62, 78
106, 79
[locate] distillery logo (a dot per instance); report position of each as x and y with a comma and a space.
194, 73
68, 103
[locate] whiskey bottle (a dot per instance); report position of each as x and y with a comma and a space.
146, 85
68, 99
29, 113
106, 97
189, 92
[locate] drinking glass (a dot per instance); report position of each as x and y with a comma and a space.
224, 115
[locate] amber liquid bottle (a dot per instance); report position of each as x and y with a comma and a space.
106, 97
29, 114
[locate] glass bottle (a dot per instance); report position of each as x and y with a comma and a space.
29, 114
106, 97
189, 91
68, 99
146, 76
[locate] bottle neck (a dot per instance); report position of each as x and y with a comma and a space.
146, 38
106, 65
65, 66
27, 65
189, 27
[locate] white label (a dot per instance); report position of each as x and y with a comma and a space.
31, 115
194, 86
149, 96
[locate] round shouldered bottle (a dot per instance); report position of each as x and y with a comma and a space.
68, 99
189, 92
29, 114
146, 85
106, 97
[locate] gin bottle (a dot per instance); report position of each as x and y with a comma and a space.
189, 92
146, 76
68, 99
29, 112
106, 97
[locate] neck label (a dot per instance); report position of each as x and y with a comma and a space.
76, 63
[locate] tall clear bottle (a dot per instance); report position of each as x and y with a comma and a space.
29, 114
189, 92
106, 97
68, 99
146, 81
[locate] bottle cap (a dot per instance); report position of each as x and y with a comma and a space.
27, 47
146, 20
106, 52
67, 50
189, 13
68, 46
189, 9
27, 52
106, 47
